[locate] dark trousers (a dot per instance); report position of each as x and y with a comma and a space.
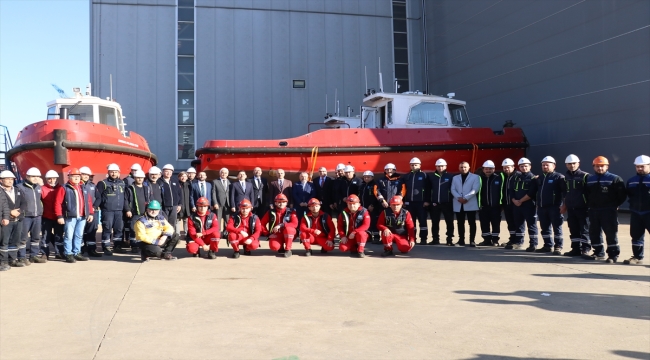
419, 216
11, 235
112, 223
171, 215
90, 235
490, 219
150, 250
550, 218
471, 219
129, 231
446, 210
224, 213
508, 211
52, 234
525, 216
578, 222
30, 244
639, 224
604, 220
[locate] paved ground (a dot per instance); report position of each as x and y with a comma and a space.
436, 303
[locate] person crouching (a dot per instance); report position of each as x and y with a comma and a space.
280, 225
244, 229
316, 227
396, 226
203, 229
353, 224
155, 234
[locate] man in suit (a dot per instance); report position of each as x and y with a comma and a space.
260, 192
240, 190
221, 198
322, 186
201, 188
280, 186
302, 192
465, 188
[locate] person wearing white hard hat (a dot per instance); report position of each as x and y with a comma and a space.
13, 226
154, 185
491, 199
575, 207
73, 208
349, 184
111, 194
52, 230
4, 220
465, 188
508, 167
138, 195
389, 185
191, 174
525, 213
418, 195
128, 180
368, 196
322, 186
302, 192
441, 203
551, 191
172, 195
90, 230
29, 248
638, 193
335, 189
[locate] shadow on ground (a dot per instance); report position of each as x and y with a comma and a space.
632, 354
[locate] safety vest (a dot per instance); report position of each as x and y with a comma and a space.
198, 224
149, 223
357, 222
251, 222
323, 222
396, 223
273, 217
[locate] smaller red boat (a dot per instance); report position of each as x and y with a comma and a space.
82, 130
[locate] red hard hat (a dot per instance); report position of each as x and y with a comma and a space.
202, 201
192, 247
281, 198
352, 199
74, 171
396, 200
601, 160
245, 204
313, 201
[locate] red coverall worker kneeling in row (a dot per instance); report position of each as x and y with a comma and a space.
244, 229
316, 227
396, 226
353, 224
280, 225
203, 228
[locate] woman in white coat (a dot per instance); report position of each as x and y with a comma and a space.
465, 188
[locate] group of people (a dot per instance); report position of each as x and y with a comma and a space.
148, 212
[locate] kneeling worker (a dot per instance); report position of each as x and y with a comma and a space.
353, 224
396, 225
203, 229
155, 234
244, 229
280, 224
316, 227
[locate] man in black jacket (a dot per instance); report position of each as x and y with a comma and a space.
137, 197
575, 206
172, 195
29, 247
4, 220
490, 200
13, 227
551, 190
441, 202
638, 192
111, 193
322, 185
418, 197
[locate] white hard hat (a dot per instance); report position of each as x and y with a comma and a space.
138, 173
7, 174
51, 174
368, 173
136, 167
340, 167
33, 172
168, 167
113, 167
154, 170
571, 159
488, 164
348, 168
548, 159
642, 160
523, 161
191, 170
415, 161
85, 170
508, 162
440, 162
390, 166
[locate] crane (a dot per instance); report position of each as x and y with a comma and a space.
60, 91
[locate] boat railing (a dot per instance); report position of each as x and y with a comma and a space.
7, 144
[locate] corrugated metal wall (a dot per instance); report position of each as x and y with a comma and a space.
574, 74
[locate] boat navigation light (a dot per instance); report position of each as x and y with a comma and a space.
451, 95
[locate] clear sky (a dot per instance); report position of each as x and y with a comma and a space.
42, 42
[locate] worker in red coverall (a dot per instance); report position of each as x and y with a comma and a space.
244, 229
280, 225
203, 229
353, 223
316, 227
396, 226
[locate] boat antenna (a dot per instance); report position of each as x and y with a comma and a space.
110, 79
365, 73
325, 104
381, 80
396, 86
336, 94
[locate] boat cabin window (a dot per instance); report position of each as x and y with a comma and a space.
458, 115
107, 116
427, 113
80, 112
52, 113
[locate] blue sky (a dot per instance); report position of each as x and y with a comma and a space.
42, 42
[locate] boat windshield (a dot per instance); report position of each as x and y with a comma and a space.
80, 112
107, 116
51, 113
458, 115
427, 113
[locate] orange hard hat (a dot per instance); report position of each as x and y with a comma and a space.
74, 171
352, 199
601, 160
396, 200
312, 202
245, 204
281, 198
202, 201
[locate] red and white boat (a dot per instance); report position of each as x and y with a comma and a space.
82, 130
391, 128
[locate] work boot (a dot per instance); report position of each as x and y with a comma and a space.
287, 253
423, 242
573, 252
435, 242
633, 261
557, 251
518, 247
509, 246
593, 257
169, 257
361, 254
212, 255
460, 242
80, 257
472, 244
485, 243
25, 261
387, 253
612, 260
281, 250
247, 252
308, 252
40, 259
531, 248
135, 250
543, 249
59, 257
235, 255
5, 267
195, 255
108, 252
70, 259
323, 251
450, 243
94, 253
118, 249
16, 263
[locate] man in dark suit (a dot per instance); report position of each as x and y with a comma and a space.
221, 197
322, 186
260, 192
240, 190
280, 186
302, 191
201, 188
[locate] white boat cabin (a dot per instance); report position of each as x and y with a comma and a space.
87, 108
406, 110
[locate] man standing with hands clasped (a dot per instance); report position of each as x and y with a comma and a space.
465, 188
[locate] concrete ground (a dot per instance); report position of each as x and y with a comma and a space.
437, 302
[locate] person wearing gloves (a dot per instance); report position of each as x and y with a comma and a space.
29, 247
155, 234
523, 196
13, 227
441, 203
317, 228
396, 226
465, 188
638, 193
575, 207
52, 230
353, 224
73, 207
244, 229
551, 191
490, 200
203, 229
510, 172
135, 206
280, 224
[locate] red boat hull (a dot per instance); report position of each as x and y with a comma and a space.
85, 144
365, 149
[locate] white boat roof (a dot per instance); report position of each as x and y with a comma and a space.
85, 100
373, 99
